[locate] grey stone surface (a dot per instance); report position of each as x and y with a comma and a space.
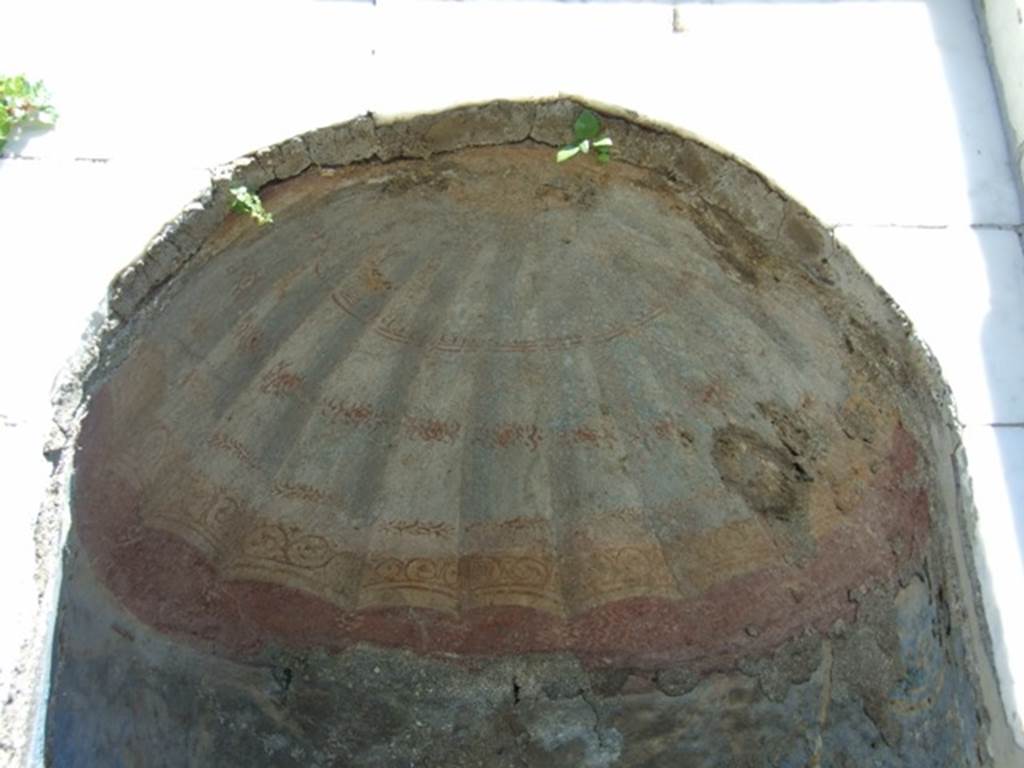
126, 695
553, 122
343, 144
485, 125
284, 160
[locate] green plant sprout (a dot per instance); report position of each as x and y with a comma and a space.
586, 128
250, 203
23, 103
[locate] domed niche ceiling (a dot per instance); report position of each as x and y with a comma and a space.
460, 406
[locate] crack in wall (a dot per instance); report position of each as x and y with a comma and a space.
825, 701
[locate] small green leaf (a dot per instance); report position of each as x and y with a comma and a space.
15, 87
249, 202
566, 152
603, 157
22, 103
587, 125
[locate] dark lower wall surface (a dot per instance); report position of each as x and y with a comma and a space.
886, 690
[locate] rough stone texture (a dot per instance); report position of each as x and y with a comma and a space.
684, 161
343, 144
128, 289
478, 460
757, 207
419, 137
245, 171
284, 160
179, 240
553, 122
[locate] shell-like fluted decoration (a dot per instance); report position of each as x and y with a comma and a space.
472, 401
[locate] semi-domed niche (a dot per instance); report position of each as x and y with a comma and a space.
472, 458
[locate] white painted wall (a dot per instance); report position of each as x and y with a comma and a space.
1002, 23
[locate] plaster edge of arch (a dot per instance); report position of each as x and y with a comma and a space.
396, 136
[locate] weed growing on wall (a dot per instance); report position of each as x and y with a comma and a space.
249, 202
23, 104
586, 128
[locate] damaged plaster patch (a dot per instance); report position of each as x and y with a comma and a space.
571, 728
